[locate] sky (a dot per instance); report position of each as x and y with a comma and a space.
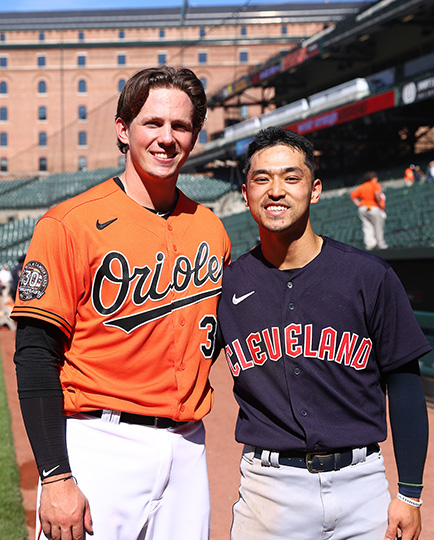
57, 5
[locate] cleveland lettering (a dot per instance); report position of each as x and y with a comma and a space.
296, 341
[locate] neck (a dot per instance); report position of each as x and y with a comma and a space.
158, 196
286, 253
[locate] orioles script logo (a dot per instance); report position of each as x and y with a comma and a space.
146, 283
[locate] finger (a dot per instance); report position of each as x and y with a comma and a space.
88, 520
391, 533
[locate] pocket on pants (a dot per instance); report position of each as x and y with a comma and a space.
248, 453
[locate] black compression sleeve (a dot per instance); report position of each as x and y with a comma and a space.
39, 350
409, 423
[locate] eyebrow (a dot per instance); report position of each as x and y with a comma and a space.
154, 118
281, 170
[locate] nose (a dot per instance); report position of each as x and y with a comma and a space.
276, 189
166, 134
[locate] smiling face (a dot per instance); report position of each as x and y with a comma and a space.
279, 189
161, 137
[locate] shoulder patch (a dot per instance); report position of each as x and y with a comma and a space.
33, 281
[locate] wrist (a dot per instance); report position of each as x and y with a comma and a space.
59, 478
417, 503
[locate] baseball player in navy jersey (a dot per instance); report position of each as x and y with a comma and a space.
315, 333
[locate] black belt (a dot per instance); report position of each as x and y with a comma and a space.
141, 420
319, 462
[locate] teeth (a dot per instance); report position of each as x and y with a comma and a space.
162, 155
276, 208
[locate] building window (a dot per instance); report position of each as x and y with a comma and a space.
284, 30
204, 83
122, 59
3, 139
244, 31
82, 163
81, 36
244, 57
161, 58
162, 33
41, 36
3, 61
42, 61
82, 112
42, 113
3, 114
202, 58
82, 138
42, 87
121, 34
82, 86
81, 60
42, 164
121, 84
2, 37
244, 112
42, 138
202, 32
3, 87
203, 138
3, 164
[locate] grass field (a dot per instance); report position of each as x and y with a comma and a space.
12, 517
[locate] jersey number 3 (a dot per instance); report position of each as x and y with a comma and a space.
208, 323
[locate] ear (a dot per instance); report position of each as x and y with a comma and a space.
316, 191
244, 192
121, 130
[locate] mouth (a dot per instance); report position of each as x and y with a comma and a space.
164, 155
275, 208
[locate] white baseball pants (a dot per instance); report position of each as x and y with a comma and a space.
373, 222
291, 503
142, 483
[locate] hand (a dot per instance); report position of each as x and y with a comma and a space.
404, 517
64, 511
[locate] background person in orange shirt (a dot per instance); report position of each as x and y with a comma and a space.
370, 200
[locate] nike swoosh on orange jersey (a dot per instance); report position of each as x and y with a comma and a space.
102, 226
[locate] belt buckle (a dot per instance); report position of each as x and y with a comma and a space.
326, 457
309, 466
162, 423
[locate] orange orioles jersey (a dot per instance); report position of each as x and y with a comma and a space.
135, 295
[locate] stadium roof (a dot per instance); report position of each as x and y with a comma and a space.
283, 13
375, 37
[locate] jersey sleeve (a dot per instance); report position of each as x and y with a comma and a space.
355, 194
398, 337
52, 278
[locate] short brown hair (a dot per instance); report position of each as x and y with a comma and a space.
369, 175
136, 92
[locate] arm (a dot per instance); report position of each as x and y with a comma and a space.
409, 424
39, 351
355, 199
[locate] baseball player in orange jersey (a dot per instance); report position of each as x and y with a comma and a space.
116, 315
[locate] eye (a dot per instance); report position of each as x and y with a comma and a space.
181, 127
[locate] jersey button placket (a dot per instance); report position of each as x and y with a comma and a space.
291, 305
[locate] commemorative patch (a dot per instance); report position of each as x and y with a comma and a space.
33, 281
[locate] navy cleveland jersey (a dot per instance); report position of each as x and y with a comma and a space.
307, 347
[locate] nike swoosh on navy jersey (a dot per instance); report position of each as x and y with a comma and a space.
236, 300
102, 226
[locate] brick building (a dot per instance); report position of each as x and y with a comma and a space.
61, 72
